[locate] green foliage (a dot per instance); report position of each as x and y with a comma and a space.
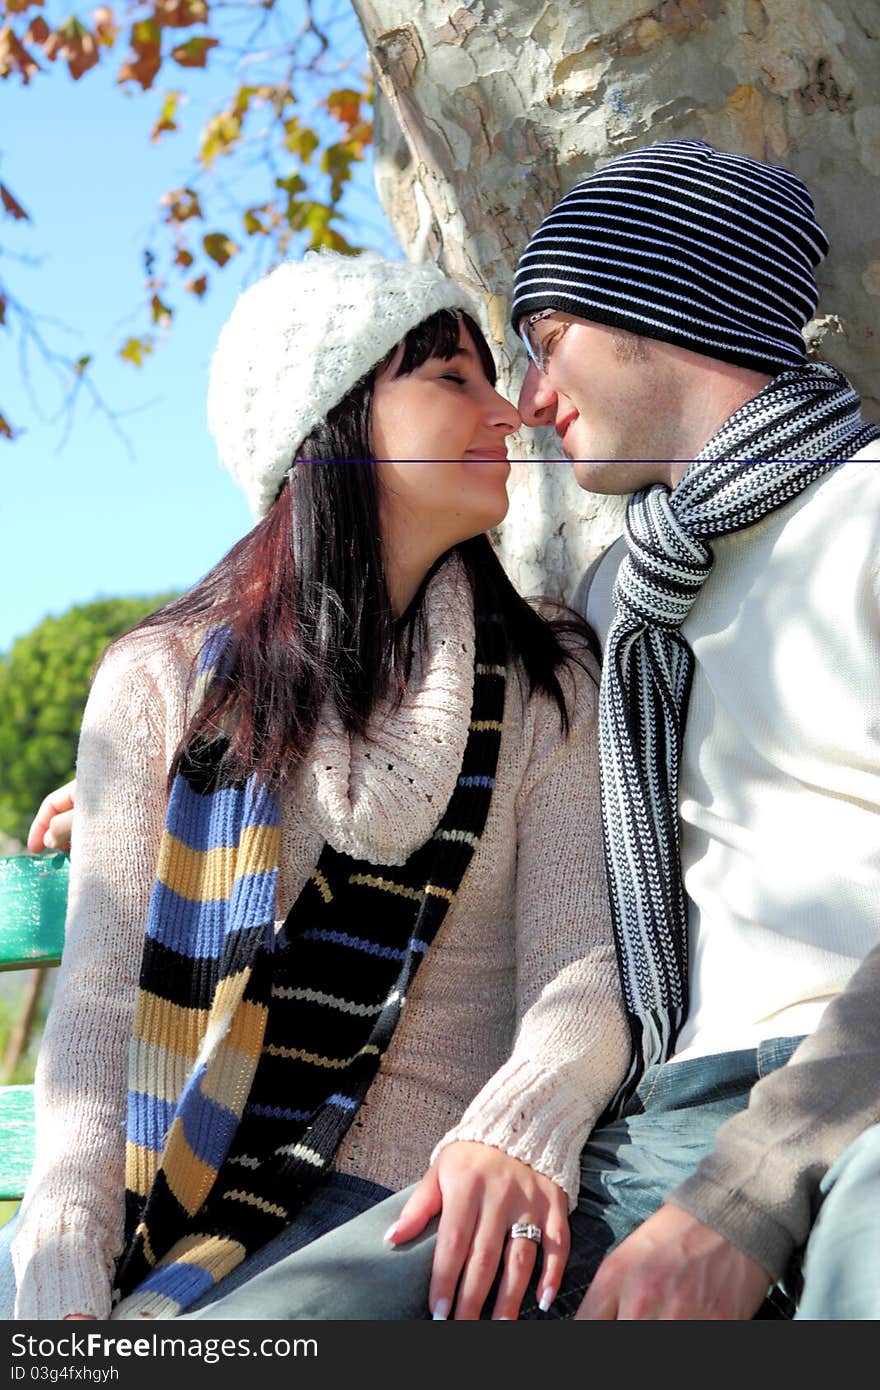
44, 682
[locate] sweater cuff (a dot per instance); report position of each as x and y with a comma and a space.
738, 1220
534, 1116
67, 1273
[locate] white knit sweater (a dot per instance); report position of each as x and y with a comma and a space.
780, 832
513, 1034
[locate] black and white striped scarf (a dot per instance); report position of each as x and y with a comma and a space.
808, 420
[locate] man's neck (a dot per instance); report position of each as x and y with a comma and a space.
712, 392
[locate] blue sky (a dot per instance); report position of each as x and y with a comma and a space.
88, 518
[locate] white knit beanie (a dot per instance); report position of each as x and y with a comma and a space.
297, 342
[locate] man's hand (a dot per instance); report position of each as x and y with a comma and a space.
480, 1192
675, 1268
52, 824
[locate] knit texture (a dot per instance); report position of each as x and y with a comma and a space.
513, 1029
679, 241
288, 1035
811, 421
295, 344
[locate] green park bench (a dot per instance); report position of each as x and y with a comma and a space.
33, 903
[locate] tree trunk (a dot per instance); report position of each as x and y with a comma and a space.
487, 112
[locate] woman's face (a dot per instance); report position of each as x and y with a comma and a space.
439, 437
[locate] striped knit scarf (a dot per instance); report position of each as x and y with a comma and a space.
808, 421
251, 1053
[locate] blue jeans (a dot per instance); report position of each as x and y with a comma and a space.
841, 1275
339, 1199
627, 1168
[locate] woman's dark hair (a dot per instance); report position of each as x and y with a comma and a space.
304, 599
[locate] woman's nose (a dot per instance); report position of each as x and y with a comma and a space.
504, 413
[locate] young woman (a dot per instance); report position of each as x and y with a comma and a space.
337, 900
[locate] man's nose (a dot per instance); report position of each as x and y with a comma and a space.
537, 399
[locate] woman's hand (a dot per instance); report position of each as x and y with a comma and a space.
480, 1192
51, 827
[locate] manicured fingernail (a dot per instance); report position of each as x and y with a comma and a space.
49, 840
547, 1298
391, 1233
441, 1310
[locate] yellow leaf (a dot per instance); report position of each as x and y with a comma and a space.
134, 350
300, 140
252, 223
219, 135
167, 113
6, 430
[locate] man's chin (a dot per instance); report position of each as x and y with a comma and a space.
598, 476
612, 479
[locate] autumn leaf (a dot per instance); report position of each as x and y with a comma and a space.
161, 313
81, 363
197, 287
2, 311
78, 48
106, 28
19, 6
219, 135
146, 41
345, 105
167, 113
134, 350
6, 430
219, 247
337, 161
253, 224
193, 53
182, 204
14, 57
183, 257
11, 205
38, 30
179, 14
243, 98
300, 140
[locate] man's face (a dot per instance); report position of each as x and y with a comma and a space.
612, 398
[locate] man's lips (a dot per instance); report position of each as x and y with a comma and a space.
563, 425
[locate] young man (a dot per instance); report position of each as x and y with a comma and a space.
661, 303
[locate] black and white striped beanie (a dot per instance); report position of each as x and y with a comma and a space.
682, 242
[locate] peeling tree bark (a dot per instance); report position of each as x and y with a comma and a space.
488, 111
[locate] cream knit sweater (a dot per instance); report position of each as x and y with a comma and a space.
513, 1034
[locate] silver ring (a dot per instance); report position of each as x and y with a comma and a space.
525, 1230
